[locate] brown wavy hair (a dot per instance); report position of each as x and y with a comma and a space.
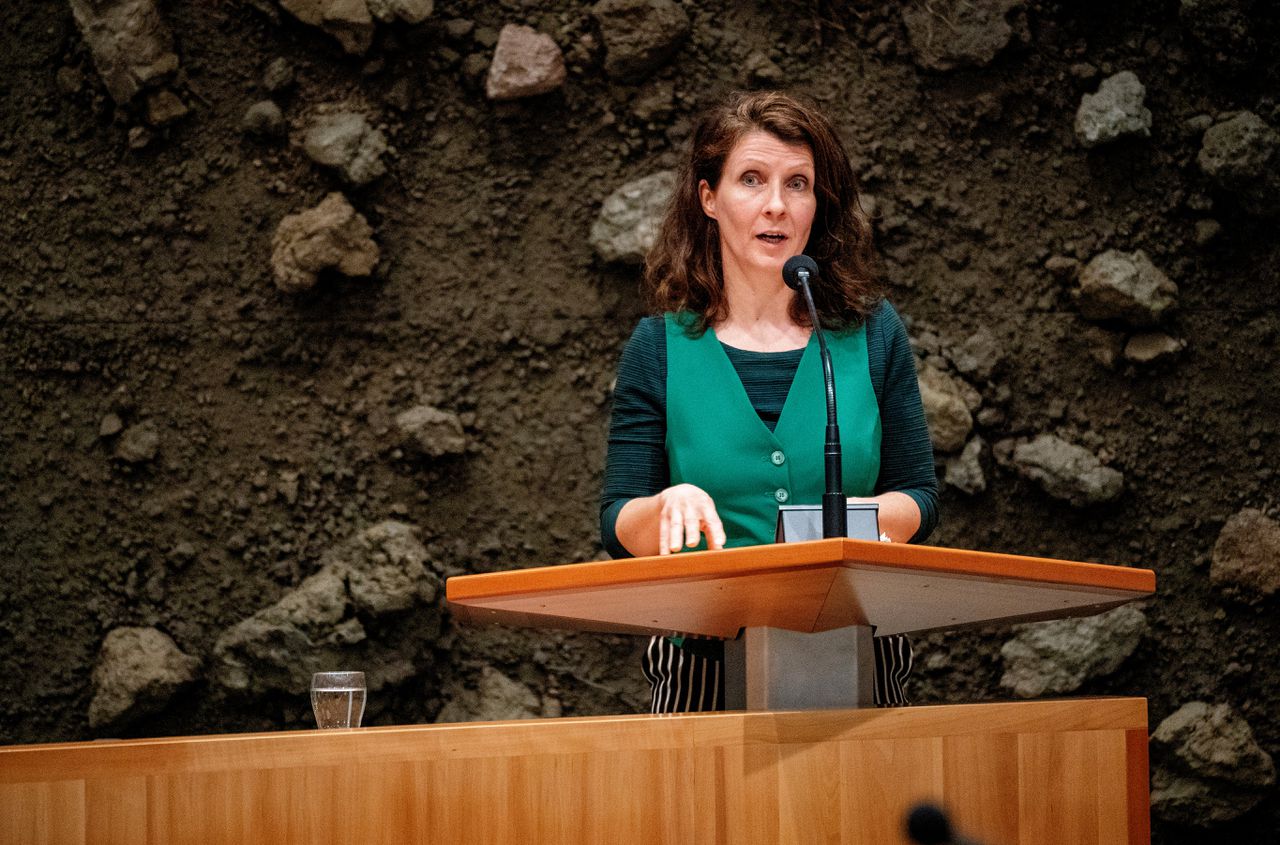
683, 270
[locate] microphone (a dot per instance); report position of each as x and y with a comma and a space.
927, 824
798, 272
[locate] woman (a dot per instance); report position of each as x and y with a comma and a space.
707, 436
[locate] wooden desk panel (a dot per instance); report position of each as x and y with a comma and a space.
812, 586
1033, 773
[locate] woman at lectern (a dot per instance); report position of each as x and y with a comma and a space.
707, 438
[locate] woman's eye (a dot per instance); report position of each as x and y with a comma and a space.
798, 184
751, 180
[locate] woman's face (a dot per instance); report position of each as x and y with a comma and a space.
764, 205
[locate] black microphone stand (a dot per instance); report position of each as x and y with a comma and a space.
834, 504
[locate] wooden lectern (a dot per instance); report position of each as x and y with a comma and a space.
799, 616
1063, 772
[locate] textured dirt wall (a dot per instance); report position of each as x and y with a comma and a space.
182, 442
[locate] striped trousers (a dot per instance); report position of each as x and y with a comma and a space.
689, 678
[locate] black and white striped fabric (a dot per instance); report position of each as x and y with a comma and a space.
689, 678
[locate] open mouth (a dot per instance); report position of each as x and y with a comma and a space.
771, 237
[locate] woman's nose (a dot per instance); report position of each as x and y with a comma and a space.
775, 204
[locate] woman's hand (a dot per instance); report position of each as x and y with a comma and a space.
685, 513
669, 521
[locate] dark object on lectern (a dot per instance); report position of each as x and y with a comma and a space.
798, 272
797, 523
927, 824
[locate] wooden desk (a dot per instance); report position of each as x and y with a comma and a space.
1033, 773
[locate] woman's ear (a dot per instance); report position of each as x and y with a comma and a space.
708, 198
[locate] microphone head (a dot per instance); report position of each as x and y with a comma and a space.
795, 264
928, 825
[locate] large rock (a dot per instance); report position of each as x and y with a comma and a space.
1117, 109
1063, 470
138, 671
639, 35
1247, 553
432, 432
349, 21
131, 46
1242, 156
1053, 658
950, 34
495, 698
330, 236
630, 216
945, 408
379, 577
1125, 286
346, 142
1221, 28
526, 63
1206, 767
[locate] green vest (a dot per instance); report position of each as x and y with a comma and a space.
717, 441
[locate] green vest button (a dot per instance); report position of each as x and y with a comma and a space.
778, 458
781, 495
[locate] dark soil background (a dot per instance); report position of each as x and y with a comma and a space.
138, 283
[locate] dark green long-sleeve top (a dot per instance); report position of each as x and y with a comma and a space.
637, 460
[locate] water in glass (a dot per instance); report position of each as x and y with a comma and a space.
337, 699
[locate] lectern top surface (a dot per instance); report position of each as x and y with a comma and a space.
811, 586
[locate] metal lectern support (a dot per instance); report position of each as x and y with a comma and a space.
776, 669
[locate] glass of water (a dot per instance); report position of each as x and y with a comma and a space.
337, 699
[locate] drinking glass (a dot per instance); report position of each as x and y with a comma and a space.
337, 699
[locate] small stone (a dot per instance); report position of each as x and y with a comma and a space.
1125, 286
1207, 231
110, 426
1062, 469
139, 137
1242, 156
409, 11
630, 217
1247, 553
977, 356
1116, 110
458, 28
431, 431
1062, 266
759, 71
655, 103
139, 443
279, 76
138, 671
164, 107
945, 409
964, 471
1057, 657
70, 80
1146, 347
330, 236
526, 63
264, 119
639, 35
951, 34
346, 142
1083, 71
1206, 767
